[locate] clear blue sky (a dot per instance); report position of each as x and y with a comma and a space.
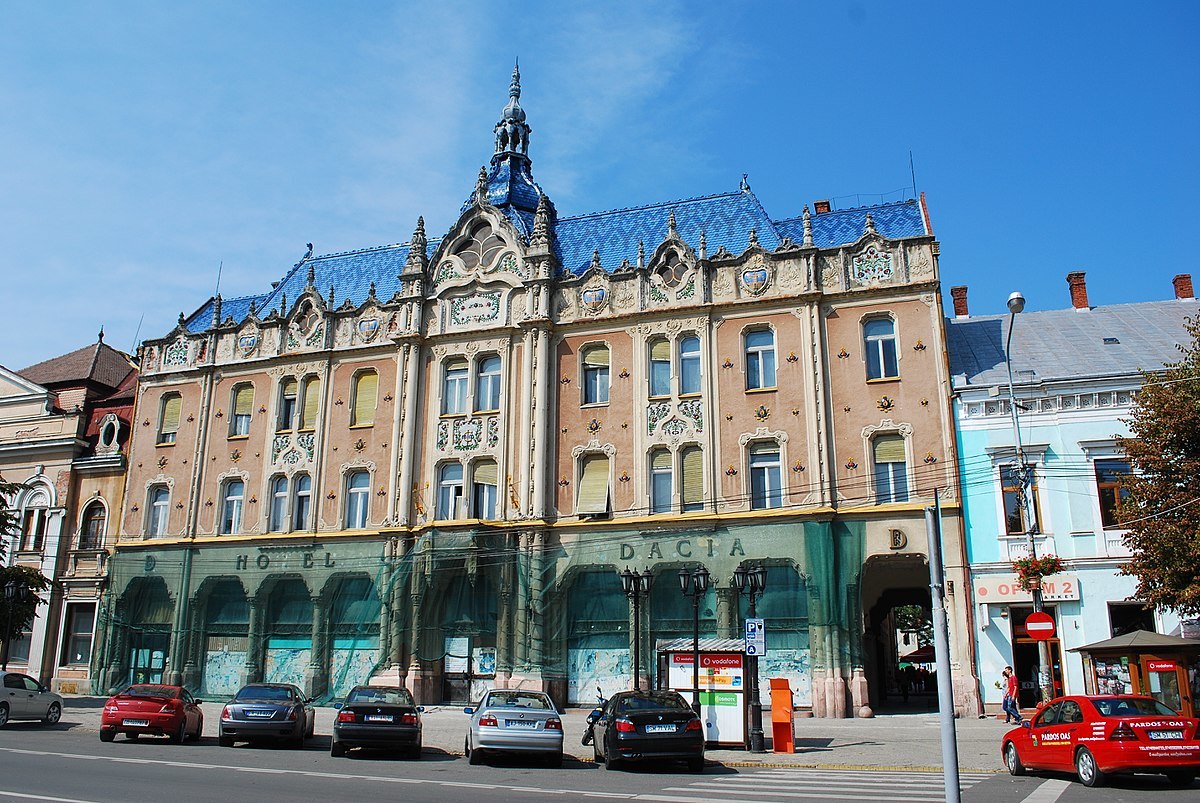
143, 144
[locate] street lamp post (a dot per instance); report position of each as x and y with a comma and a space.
637, 585
753, 581
14, 593
1016, 303
694, 584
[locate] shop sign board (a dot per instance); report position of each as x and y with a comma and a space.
756, 637
1004, 589
722, 691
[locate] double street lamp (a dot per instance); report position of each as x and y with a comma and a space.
14, 594
694, 583
1016, 303
753, 581
637, 585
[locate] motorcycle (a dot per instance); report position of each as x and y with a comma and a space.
595, 715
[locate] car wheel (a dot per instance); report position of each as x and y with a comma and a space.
596, 753
1085, 767
225, 741
414, 752
199, 729
1181, 778
556, 760
474, 757
337, 749
696, 765
611, 763
298, 740
179, 735
107, 736
3, 714
53, 714
1012, 760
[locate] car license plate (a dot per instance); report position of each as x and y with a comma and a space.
136, 723
520, 723
260, 714
378, 718
660, 729
1162, 735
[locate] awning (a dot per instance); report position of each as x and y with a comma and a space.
922, 655
1141, 640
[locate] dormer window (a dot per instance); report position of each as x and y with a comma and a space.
482, 247
672, 270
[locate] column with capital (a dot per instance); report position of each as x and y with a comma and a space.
254, 642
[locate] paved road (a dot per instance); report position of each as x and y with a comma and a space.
64, 765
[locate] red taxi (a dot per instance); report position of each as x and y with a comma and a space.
1095, 736
152, 710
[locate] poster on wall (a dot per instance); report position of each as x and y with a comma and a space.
1112, 677
610, 670
484, 661
458, 655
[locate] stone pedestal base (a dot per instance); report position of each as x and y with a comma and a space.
391, 676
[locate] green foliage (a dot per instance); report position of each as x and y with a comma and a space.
1030, 571
10, 520
22, 612
914, 618
1162, 505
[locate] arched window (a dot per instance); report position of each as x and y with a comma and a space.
366, 393
660, 367
766, 477
672, 270
660, 481
454, 387
760, 359
91, 528
302, 505
450, 490
487, 386
34, 520
168, 418
595, 375
482, 247
279, 505
289, 391
891, 472
312, 403
232, 502
358, 497
484, 480
879, 344
689, 365
158, 509
243, 408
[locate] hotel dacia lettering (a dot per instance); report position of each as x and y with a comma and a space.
681, 548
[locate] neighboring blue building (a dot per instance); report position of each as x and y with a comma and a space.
1075, 373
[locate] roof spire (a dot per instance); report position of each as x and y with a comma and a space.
753, 237
641, 254
595, 260
481, 186
744, 186
703, 245
541, 223
311, 279
331, 292
808, 238
512, 132
100, 337
671, 232
417, 257
870, 225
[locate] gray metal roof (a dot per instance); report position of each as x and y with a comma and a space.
1068, 343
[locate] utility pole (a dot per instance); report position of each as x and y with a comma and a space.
941, 650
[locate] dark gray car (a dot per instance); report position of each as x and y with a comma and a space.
267, 711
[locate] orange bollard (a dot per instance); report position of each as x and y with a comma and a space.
783, 735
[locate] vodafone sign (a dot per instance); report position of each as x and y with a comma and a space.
1040, 626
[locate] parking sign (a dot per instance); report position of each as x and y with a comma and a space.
756, 637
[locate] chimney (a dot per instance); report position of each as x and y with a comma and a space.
1079, 299
959, 294
821, 207
1183, 287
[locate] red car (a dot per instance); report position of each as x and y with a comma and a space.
1095, 736
154, 710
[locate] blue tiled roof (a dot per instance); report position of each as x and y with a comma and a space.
842, 226
512, 189
725, 219
236, 308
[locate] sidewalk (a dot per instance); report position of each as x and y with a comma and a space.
907, 741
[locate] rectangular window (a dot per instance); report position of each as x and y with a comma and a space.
1109, 474
595, 375
484, 479
18, 651
358, 495
689, 366
766, 482
593, 486
366, 393
879, 341
693, 478
454, 388
487, 393
312, 403
450, 491
660, 481
288, 391
160, 508
303, 503
231, 509
279, 505
660, 367
168, 422
77, 636
1014, 515
243, 407
760, 359
891, 469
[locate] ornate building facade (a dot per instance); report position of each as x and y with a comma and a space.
428, 461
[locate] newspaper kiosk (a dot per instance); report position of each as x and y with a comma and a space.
723, 701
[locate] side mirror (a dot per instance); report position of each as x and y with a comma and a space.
1026, 724
198, 702
595, 715
337, 705
468, 710
420, 709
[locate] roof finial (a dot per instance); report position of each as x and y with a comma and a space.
512, 132
181, 319
514, 88
671, 232
253, 308
216, 321
541, 223
641, 254
744, 186
870, 226
595, 260
308, 253
311, 280
703, 245
283, 304
808, 238
100, 337
371, 290
331, 292
753, 237
417, 257
481, 186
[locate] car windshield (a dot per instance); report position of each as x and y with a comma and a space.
151, 691
381, 696
271, 693
650, 702
1131, 707
538, 702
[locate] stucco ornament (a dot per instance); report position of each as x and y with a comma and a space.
593, 299
476, 308
368, 328
756, 279
247, 343
872, 266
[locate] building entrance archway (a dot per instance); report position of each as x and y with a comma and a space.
890, 583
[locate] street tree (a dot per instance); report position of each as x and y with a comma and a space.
1160, 500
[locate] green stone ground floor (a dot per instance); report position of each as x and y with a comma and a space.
450, 612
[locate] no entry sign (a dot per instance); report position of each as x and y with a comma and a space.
1040, 626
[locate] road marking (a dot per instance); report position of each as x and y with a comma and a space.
24, 796
1048, 792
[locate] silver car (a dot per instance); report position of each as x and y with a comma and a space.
515, 721
22, 697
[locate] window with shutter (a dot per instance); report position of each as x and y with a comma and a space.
593, 486
287, 405
693, 478
689, 365
168, 429
891, 474
660, 367
243, 408
312, 403
660, 481
484, 479
595, 375
454, 388
366, 392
